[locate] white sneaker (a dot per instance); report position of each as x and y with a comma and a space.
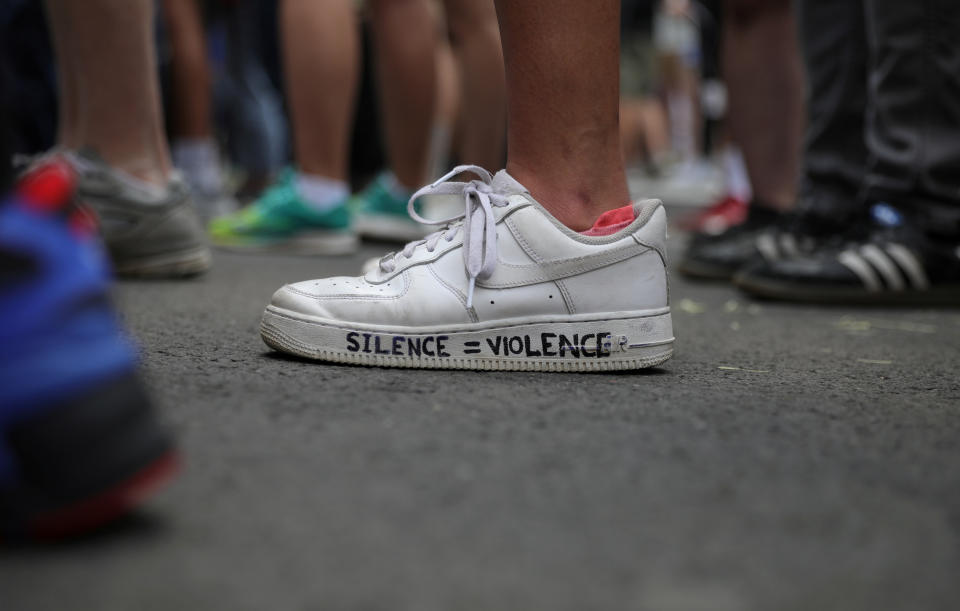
502, 286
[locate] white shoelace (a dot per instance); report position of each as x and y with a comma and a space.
477, 221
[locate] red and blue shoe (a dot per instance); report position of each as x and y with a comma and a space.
79, 442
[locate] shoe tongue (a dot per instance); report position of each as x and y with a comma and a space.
507, 185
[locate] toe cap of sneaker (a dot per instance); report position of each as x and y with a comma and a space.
335, 297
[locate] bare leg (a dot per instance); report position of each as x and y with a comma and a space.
643, 130
191, 73
766, 114
473, 24
656, 133
405, 38
563, 87
321, 58
112, 101
68, 121
193, 147
445, 138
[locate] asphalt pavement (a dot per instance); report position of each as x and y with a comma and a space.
788, 457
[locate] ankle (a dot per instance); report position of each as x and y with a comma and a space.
147, 173
574, 201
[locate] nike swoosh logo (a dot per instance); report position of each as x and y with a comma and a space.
508, 275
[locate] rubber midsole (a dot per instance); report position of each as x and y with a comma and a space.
315, 242
600, 338
400, 228
74, 451
771, 289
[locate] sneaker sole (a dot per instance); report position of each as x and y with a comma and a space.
635, 340
705, 271
92, 513
390, 229
179, 264
313, 243
85, 463
781, 291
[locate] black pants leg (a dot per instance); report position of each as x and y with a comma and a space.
913, 119
834, 46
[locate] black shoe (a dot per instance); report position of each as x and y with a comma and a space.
720, 256
889, 260
767, 235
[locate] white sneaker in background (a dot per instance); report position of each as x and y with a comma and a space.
503, 286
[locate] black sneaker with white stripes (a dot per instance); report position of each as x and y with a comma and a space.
766, 235
891, 262
720, 256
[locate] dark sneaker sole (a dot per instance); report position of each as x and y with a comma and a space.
700, 270
92, 513
84, 463
180, 264
307, 243
784, 291
392, 229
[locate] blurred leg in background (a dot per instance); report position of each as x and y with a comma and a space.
110, 118
406, 79
194, 146
764, 75
254, 114
762, 69
405, 42
834, 43
305, 210
446, 137
321, 60
110, 96
882, 211
483, 111
405, 46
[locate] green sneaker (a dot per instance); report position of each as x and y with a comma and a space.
381, 215
280, 221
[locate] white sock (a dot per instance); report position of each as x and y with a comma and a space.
735, 173
321, 193
199, 161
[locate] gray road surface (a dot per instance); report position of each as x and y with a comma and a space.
787, 458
